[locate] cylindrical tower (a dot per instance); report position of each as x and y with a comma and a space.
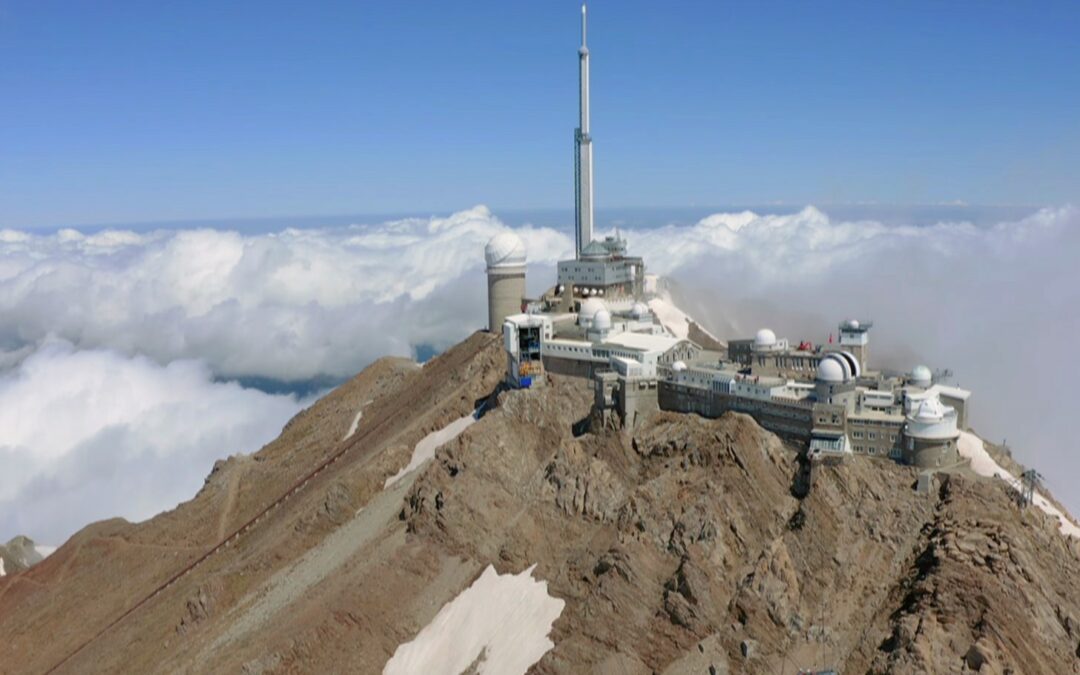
505, 256
583, 155
930, 435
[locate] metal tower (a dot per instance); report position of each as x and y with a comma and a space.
1030, 480
583, 174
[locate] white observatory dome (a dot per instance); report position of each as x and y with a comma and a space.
830, 370
764, 338
853, 367
930, 410
639, 310
853, 324
589, 308
921, 376
602, 320
678, 366
505, 250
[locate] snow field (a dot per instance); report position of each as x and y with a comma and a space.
501, 620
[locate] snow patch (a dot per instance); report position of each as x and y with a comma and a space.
427, 446
973, 448
355, 423
502, 620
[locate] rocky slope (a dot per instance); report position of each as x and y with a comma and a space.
680, 550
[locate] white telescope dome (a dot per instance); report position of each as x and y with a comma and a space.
589, 308
921, 376
852, 364
678, 366
602, 320
853, 324
639, 310
830, 370
765, 338
930, 410
505, 250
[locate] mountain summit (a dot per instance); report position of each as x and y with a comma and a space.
529, 537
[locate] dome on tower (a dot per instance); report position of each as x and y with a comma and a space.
639, 310
764, 338
505, 250
930, 410
831, 370
921, 376
678, 366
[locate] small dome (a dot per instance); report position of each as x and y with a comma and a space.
830, 370
853, 324
505, 250
930, 410
639, 310
921, 376
678, 366
765, 338
602, 320
589, 308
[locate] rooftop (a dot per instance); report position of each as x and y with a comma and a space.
643, 342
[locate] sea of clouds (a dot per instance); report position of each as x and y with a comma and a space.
119, 350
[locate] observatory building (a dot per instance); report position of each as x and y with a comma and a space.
505, 257
595, 322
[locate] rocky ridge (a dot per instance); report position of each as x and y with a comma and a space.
683, 548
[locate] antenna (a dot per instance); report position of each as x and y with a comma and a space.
584, 16
583, 172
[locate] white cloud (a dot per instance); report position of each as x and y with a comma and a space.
997, 304
289, 305
86, 435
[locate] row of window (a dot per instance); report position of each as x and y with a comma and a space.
875, 423
872, 435
874, 450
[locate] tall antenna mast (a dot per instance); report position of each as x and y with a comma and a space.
584, 16
583, 174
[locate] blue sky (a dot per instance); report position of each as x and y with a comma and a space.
135, 111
